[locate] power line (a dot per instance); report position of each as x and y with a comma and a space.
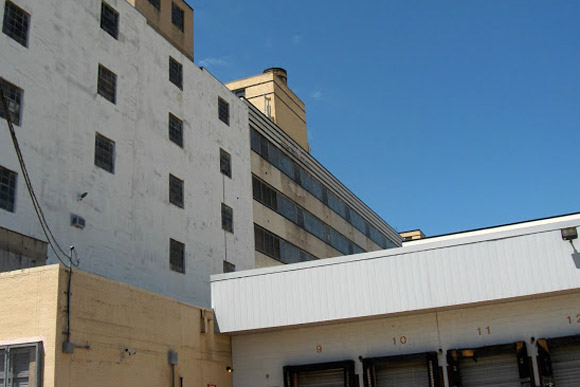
39, 213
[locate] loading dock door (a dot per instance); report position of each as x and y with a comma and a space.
566, 365
411, 370
408, 374
498, 366
323, 378
333, 374
559, 361
499, 370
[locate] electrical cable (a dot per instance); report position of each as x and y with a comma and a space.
39, 213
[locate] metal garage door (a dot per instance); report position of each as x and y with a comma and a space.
408, 374
566, 365
332, 374
499, 370
324, 378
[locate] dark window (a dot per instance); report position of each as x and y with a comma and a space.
277, 248
225, 163
176, 256
176, 191
176, 73
18, 365
264, 194
240, 93
267, 243
229, 267
104, 153
155, 3
16, 23
176, 130
227, 218
224, 111
177, 16
107, 84
110, 20
7, 189
13, 96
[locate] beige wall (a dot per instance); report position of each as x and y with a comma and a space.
286, 109
160, 20
109, 316
29, 313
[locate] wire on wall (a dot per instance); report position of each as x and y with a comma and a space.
58, 251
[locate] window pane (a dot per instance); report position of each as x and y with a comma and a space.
104, 153
176, 130
224, 111
227, 218
20, 359
176, 256
16, 23
110, 20
107, 84
255, 140
225, 163
314, 226
176, 191
7, 189
2, 370
177, 16
13, 97
155, 3
176, 73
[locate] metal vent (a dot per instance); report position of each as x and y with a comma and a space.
77, 221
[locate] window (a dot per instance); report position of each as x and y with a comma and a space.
176, 130
107, 84
176, 256
7, 189
176, 73
177, 16
264, 194
110, 20
13, 96
155, 3
20, 365
229, 267
225, 163
227, 218
16, 23
224, 111
176, 191
104, 153
279, 249
240, 93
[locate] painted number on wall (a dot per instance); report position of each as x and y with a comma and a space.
573, 319
401, 340
484, 331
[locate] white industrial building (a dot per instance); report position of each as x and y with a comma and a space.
139, 158
492, 307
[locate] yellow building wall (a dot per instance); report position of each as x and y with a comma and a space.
160, 20
285, 108
110, 317
28, 312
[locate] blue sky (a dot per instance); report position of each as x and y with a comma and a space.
444, 116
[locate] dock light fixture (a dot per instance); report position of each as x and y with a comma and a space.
569, 233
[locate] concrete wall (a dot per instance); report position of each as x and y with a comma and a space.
129, 219
110, 317
259, 357
18, 251
288, 230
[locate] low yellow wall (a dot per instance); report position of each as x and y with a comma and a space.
111, 317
